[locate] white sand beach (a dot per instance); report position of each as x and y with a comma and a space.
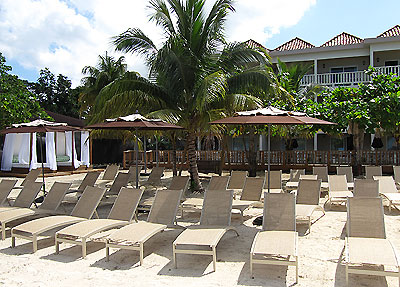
319, 258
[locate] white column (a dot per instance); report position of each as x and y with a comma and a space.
315, 70
371, 56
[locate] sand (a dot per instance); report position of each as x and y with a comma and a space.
319, 258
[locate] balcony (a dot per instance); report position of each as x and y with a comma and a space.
345, 79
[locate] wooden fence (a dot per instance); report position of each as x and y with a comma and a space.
279, 159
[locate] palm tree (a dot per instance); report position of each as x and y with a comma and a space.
106, 70
195, 77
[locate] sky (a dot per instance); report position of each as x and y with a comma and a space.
66, 35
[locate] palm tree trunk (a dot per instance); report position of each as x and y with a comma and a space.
193, 170
358, 140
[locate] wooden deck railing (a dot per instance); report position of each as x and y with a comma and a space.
280, 159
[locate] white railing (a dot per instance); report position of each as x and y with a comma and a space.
347, 78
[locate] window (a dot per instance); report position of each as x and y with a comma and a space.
343, 69
391, 63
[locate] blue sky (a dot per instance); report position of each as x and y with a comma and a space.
68, 35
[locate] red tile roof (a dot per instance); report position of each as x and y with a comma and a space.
342, 39
253, 44
392, 32
294, 44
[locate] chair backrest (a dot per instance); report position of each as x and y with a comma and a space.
165, 206
89, 180
126, 203
365, 217
218, 183
366, 188
31, 176
88, 202
396, 173
55, 196
132, 172
6, 185
275, 178
321, 172
217, 208
347, 171
155, 175
309, 191
295, 174
252, 189
370, 171
337, 183
28, 194
110, 172
308, 176
386, 184
121, 180
279, 212
179, 183
237, 179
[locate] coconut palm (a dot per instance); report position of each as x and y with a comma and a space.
195, 77
106, 70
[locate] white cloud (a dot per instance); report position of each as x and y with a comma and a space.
66, 35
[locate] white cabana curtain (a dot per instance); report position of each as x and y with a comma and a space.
85, 158
51, 151
8, 151
34, 162
24, 150
68, 148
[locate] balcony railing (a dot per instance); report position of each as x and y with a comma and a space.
346, 78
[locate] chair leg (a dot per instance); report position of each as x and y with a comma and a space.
141, 253
214, 257
174, 256
347, 274
57, 245
251, 265
3, 231
107, 253
34, 242
12, 241
83, 247
297, 269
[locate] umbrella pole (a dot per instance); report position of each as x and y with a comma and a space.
137, 159
269, 156
144, 154
155, 136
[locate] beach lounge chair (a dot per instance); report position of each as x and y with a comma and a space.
308, 176
338, 190
121, 214
132, 172
366, 188
321, 172
237, 179
307, 200
276, 243
32, 175
275, 185
366, 243
348, 172
371, 171
121, 180
251, 194
388, 191
83, 210
215, 221
110, 172
89, 180
294, 178
162, 216
155, 175
6, 185
26, 196
218, 183
50, 204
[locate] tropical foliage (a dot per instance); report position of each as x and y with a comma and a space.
17, 103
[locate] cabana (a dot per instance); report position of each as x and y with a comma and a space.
20, 146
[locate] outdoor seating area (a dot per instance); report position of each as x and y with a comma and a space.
101, 230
